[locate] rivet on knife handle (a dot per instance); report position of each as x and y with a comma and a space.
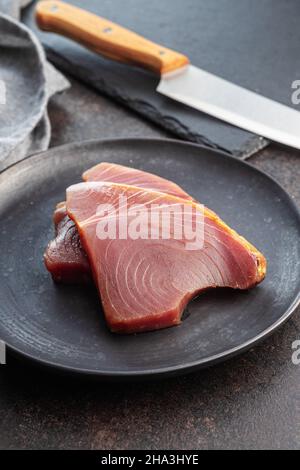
106, 38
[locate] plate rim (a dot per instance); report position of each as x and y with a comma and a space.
167, 371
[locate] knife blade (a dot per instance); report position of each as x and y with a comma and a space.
179, 80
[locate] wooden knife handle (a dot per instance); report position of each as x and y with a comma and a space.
106, 38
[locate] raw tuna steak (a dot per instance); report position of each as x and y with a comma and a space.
145, 284
114, 173
65, 258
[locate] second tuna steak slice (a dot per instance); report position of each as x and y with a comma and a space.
114, 173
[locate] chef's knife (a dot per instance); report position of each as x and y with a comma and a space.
180, 80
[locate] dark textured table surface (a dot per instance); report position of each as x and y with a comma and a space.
252, 401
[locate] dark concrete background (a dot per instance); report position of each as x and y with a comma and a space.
252, 401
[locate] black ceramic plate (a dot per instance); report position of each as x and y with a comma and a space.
64, 327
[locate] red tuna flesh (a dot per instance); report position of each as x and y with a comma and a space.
113, 173
145, 284
65, 258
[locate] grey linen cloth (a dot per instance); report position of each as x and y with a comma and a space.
29, 81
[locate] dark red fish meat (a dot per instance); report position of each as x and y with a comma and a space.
65, 258
144, 283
